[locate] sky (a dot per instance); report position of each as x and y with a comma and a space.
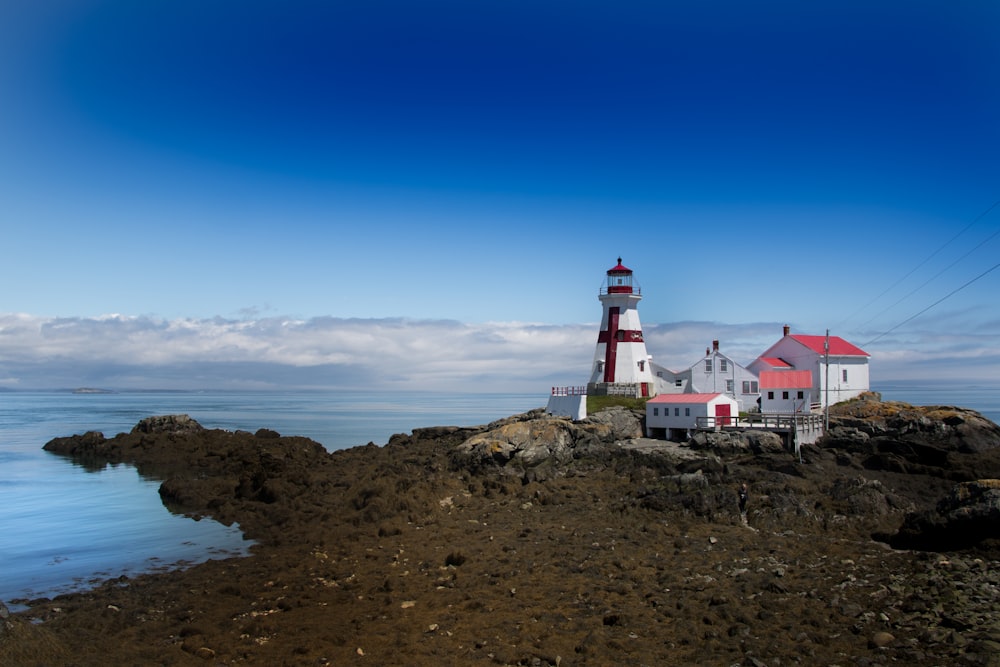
427, 196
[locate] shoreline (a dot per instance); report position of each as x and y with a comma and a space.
432, 550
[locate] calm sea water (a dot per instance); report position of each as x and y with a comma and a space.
63, 528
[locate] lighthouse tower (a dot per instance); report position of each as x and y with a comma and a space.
621, 364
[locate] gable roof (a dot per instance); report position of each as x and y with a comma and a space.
683, 398
838, 346
786, 380
775, 362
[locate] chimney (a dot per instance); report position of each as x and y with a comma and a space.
786, 329
715, 345
707, 352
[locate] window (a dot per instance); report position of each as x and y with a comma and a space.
642, 366
845, 375
677, 412
801, 395
729, 386
678, 383
687, 412
784, 395
770, 395
659, 374
708, 365
656, 412
723, 365
754, 388
746, 386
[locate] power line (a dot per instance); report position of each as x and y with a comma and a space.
918, 266
946, 296
932, 278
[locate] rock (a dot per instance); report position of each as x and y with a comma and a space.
764, 442
862, 497
90, 443
624, 423
531, 445
881, 639
722, 442
167, 424
970, 514
929, 430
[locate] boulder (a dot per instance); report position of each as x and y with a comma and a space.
535, 444
738, 442
623, 422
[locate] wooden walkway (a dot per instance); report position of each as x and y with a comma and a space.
797, 429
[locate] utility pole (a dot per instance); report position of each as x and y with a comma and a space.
826, 398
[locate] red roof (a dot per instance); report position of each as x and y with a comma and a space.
838, 346
786, 379
619, 268
683, 398
775, 362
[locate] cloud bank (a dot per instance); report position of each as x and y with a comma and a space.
128, 352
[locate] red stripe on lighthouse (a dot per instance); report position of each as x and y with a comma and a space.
611, 337
611, 345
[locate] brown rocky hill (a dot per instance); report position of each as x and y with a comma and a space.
539, 541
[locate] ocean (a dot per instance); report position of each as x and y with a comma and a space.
66, 528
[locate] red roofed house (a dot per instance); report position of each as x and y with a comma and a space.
673, 415
785, 391
848, 366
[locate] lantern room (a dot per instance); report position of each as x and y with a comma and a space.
619, 279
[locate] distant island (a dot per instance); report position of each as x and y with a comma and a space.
92, 390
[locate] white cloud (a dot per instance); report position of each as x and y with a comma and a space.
126, 352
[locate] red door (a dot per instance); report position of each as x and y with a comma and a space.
722, 411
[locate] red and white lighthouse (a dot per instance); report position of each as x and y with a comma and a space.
621, 363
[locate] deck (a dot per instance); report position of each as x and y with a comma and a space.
800, 428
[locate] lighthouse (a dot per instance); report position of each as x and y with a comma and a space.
621, 363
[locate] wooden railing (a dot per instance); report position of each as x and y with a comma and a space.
772, 422
569, 391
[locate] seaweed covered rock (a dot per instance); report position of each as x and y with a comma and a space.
966, 518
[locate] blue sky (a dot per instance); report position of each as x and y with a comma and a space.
429, 194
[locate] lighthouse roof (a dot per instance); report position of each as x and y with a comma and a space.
619, 268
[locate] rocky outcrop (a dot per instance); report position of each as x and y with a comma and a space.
967, 517
904, 438
536, 446
536, 541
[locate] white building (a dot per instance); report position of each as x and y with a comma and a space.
785, 391
719, 373
715, 373
667, 381
832, 361
672, 416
